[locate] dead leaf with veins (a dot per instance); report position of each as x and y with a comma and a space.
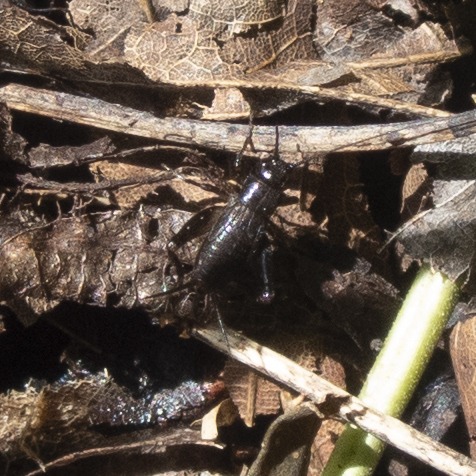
443, 235
464, 361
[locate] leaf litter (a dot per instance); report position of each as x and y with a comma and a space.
86, 223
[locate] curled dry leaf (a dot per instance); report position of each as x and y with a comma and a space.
370, 43
224, 414
286, 447
23, 36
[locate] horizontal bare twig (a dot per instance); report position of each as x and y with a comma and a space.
231, 137
324, 94
90, 188
148, 446
350, 408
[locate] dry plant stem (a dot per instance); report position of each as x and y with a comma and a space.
147, 446
317, 92
231, 137
397, 369
325, 395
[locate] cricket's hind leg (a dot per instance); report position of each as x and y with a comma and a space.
262, 259
213, 299
198, 225
266, 271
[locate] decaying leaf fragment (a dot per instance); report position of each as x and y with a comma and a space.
443, 236
28, 43
387, 58
45, 155
255, 395
84, 259
462, 347
57, 426
287, 444
224, 414
254, 45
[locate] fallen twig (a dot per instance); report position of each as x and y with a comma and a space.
231, 137
40, 183
348, 407
148, 446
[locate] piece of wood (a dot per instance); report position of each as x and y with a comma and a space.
231, 137
325, 396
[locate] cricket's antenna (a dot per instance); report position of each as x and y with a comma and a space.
248, 142
276, 142
220, 324
184, 286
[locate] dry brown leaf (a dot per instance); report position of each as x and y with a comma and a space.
227, 104
442, 236
415, 192
126, 197
349, 222
286, 447
224, 414
323, 445
45, 262
111, 21
463, 355
45, 155
42, 47
129, 197
251, 393
197, 46
174, 50
254, 395
372, 45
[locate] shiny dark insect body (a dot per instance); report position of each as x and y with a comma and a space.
237, 237
239, 232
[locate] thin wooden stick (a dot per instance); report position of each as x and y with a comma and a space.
113, 117
348, 407
161, 444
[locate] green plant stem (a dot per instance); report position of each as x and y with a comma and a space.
397, 369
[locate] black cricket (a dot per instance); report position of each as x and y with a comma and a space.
238, 234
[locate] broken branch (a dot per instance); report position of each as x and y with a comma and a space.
348, 407
113, 117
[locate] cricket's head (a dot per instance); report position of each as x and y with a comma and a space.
274, 172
